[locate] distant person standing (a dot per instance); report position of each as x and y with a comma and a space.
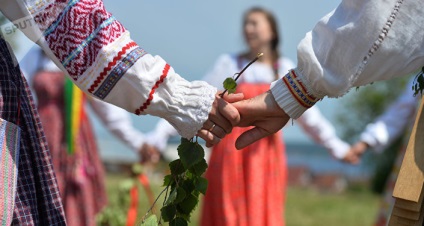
79, 171
392, 124
247, 187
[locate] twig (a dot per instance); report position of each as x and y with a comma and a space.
244, 69
154, 203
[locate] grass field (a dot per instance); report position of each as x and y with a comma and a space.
304, 207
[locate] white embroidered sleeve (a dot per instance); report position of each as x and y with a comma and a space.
323, 132
97, 53
353, 46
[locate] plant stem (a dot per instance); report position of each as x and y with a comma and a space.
244, 69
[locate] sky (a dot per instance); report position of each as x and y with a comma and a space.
192, 34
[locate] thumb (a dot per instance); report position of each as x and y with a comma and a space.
231, 98
251, 136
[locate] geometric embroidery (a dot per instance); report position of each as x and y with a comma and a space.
299, 91
120, 69
79, 33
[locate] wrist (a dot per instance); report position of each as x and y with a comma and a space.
291, 95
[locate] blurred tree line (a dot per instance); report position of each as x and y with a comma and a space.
364, 107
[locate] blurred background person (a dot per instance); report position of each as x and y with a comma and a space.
379, 134
247, 187
72, 143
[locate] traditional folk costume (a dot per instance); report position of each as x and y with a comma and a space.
96, 52
79, 171
247, 187
358, 43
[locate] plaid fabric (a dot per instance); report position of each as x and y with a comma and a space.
9, 158
37, 199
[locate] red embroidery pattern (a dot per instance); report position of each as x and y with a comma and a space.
149, 100
109, 67
298, 90
75, 27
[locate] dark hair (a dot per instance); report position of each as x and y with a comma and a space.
275, 42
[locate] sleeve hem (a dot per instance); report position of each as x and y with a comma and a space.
285, 99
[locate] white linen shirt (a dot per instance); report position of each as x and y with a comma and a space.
360, 42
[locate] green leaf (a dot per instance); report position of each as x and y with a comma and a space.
178, 222
188, 204
202, 185
188, 185
168, 213
171, 197
181, 194
190, 153
167, 180
176, 167
230, 84
151, 221
199, 168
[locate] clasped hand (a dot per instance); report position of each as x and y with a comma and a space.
262, 112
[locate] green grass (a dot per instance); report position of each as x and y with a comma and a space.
304, 207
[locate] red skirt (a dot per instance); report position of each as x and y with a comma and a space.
246, 187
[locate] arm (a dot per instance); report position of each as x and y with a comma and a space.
97, 53
118, 122
323, 132
160, 135
351, 46
354, 46
390, 125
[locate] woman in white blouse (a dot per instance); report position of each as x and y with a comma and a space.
381, 133
252, 201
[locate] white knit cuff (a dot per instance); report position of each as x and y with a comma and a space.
285, 99
291, 94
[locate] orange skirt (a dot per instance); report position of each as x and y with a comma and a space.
246, 187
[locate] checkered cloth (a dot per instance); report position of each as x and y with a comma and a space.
37, 199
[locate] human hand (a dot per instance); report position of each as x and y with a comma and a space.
262, 112
149, 154
222, 118
355, 153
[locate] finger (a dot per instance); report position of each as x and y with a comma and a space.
213, 128
251, 136
229, 112
209, 137
235, 97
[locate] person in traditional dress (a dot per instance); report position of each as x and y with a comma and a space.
358, 43
238, 181
79, 171
96, 52
381, 133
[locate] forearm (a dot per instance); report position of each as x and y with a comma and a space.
97, 53
353, 46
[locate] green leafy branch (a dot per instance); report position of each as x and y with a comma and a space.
185, 183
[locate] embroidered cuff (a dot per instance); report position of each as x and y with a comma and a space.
291, 95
